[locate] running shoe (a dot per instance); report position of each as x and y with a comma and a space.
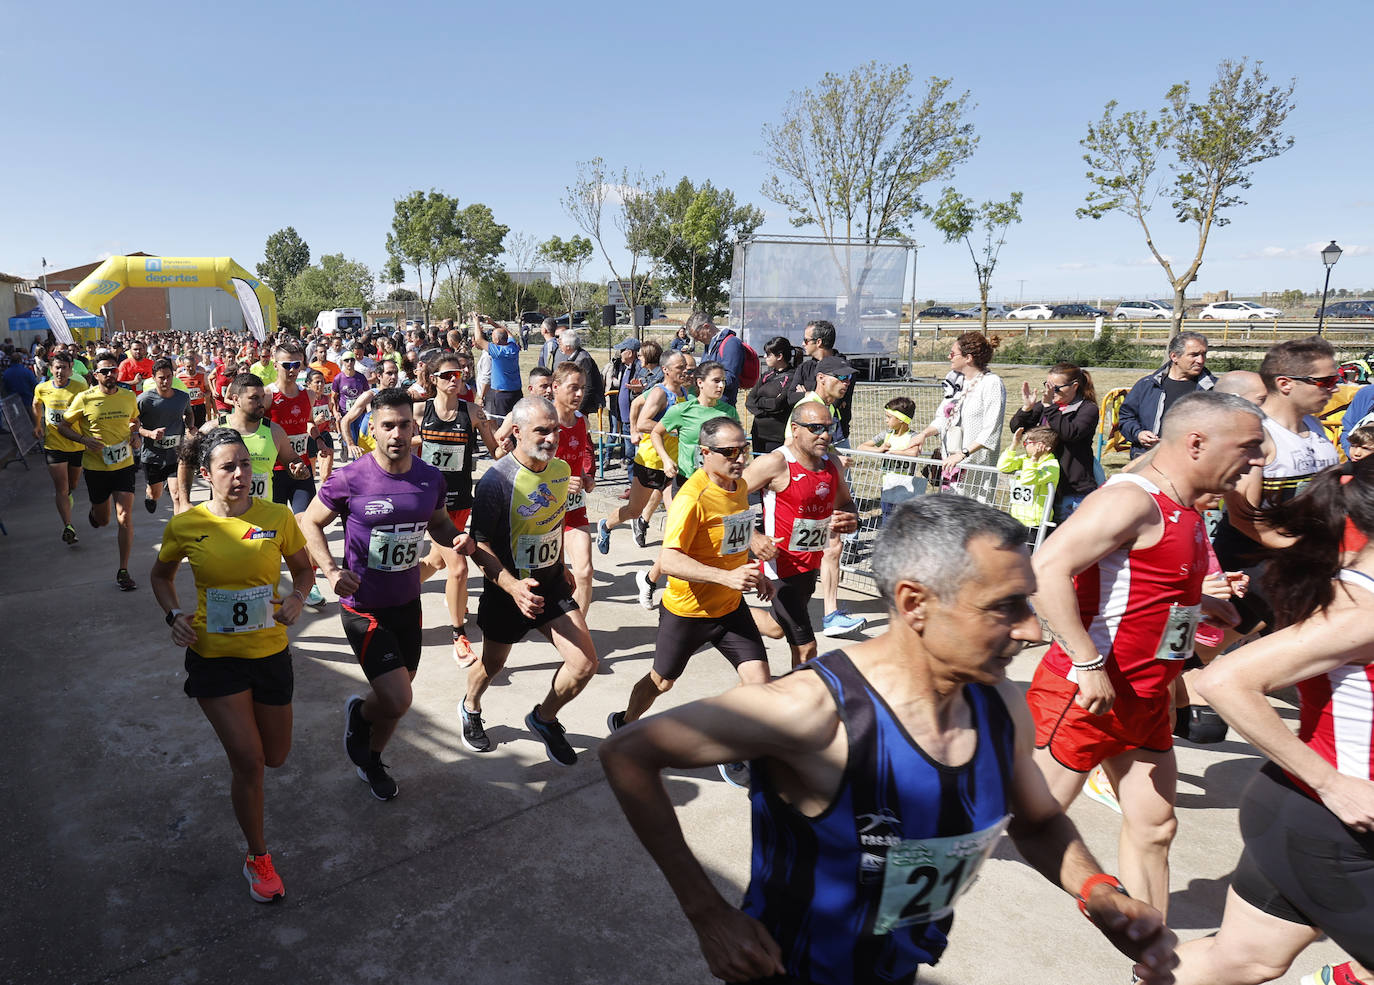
376, 777
736, 774
841, 623
150, 504
615, 721
69, 534
625, 494
639, 530
314, 596
463, 651
357, 733
264, 885
1099, 788
1327, 974
603, 536
555, 742
646, 589
124, 581
474, 735
90, 517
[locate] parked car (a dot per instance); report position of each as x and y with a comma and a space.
1347, 309
1238, 310
996, 309
1077, 311
940, 311
579, 318
1032, 312
1143, 310
532, 317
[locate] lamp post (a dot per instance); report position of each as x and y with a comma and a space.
1329, 257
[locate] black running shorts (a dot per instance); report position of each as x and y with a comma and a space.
649, 478
791, 596
269, 678
71, 459
501, 620
100, 486
735, 635
384, 639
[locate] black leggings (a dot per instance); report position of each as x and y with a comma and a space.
1302, 865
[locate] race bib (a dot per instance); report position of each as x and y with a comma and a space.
735, 537
298, 442
576, 500
114, 454
809, 535
320, 412
55, 417
169, 442
243, 611
443, 456
1177, 641
195, 393
257, 487
535, 551
1022, 495
393, 549
923, 877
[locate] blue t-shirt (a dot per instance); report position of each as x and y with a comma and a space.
505, 366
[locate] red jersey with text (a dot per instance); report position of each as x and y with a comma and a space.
575, 448
294, 415
798, 518
1141, 607
195, 386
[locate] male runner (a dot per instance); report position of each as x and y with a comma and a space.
883, 776
538, 384
802, 489
192, 377
102, 419
388, 376
51, 398
348, 386
389, 499
137, 367
575, 448
1120, 584
706, 557
449, 427
165, 417
517, 518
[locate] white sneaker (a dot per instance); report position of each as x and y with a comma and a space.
1099, 788
646, 589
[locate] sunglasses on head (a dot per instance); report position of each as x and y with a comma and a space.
729, 454
1325, 382
815, 427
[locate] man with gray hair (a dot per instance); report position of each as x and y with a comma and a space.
864, 837
1120, 588
1151, 397
570, 349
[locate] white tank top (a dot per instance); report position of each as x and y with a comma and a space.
1297, 458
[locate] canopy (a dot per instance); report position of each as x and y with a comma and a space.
77, 318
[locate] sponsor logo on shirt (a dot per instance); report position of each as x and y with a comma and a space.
883, 818
823, 489
257, 533
379, 507
540, 498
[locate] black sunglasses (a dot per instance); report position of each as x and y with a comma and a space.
296, 364
729, 454
815, 427
1057, 389
106, 370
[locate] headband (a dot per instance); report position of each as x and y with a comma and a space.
900, 416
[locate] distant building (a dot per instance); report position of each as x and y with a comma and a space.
527, 277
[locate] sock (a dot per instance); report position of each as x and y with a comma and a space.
1342, 975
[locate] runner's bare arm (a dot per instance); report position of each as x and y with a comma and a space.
656, 437
417, 410
649, 406
445, 534
678, 564
484, 428
316, 517
356, 411
38, 417
766, 470
285, 453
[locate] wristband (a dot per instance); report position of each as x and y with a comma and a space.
297, 593
1097, 664
1097, 880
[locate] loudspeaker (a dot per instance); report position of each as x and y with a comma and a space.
643, 314
608, 316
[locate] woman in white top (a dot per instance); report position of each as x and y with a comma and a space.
969, 424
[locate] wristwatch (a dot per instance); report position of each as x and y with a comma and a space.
172, 616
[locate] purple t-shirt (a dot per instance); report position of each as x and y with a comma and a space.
349, 388
385, 517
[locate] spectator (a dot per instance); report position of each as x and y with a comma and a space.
1151, 397
1068, 407
137, 368
549, 349
682, 342
818, 342
722, 345
624, 382
969, 424
502, 355
19, 379
570, 348
769, 402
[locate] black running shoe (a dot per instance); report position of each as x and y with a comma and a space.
555, 743
150, 504
474, 735
376, 777
69, 534
357, 733
615, 721
124, 580
638, 529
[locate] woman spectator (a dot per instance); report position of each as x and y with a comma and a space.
1068, 407
767, 401
1307, 817
969, 424
682, 342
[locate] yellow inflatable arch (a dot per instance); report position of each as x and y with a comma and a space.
117, 273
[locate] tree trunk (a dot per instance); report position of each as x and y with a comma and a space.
983, 314
1178, 310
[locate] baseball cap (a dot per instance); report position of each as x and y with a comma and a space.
834, 366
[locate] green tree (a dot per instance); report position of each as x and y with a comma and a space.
424, 235
1210, 148
629, 197
957, 218
479, 238
691, 234
335, 283
285, 256
568, 257
403, 294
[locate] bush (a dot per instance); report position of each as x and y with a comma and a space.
1108, 349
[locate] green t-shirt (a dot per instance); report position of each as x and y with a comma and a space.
685, 419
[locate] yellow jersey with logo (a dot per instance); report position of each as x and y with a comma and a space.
712, 526
55, 401
236, 561
519, 513
105, 417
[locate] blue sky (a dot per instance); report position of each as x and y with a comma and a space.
199, 129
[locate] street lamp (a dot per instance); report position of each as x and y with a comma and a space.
1329, 257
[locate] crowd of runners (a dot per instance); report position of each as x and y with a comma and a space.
1228, 560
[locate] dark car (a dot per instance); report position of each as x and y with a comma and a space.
532, 317
941, 311
1076, 311
1347, 309
578, 318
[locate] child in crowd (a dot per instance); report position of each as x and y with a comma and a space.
1361, 441
897, 486
1035, 470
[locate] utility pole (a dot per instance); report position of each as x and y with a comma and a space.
1020, 290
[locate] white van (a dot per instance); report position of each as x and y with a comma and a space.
343, 321
1143, 310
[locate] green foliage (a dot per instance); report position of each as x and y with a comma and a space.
1108, 349
568, 257
956, 218
629, 195
423, 236
851, 156
403, 294
479, 238
285, 256
335, 283
691, 231
1293, 296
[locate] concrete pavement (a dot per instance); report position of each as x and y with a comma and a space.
124, 859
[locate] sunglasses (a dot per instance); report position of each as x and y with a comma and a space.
295, 364
450, 374
1325, 382
729, 454
105, 372
1059, 388
842, 377
815, 427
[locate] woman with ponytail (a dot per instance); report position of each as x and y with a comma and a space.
1307, 818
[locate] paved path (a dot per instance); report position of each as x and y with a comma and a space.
124, 858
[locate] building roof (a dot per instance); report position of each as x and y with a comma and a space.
75, 274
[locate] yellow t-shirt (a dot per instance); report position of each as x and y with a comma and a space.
105, 417
236, 561
55, 401
712, 526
